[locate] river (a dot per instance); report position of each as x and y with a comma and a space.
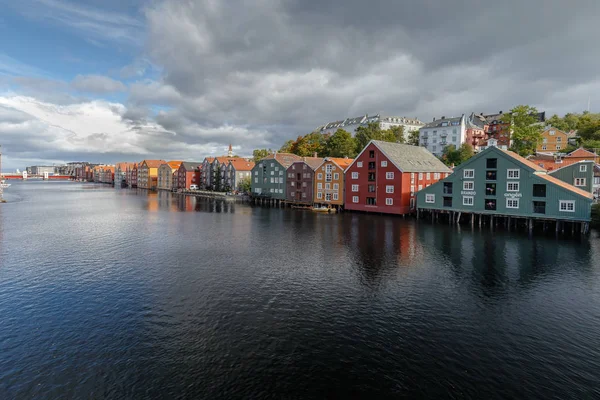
110, 293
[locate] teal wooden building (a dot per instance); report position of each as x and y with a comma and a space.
503, 185
579, 174
269, 176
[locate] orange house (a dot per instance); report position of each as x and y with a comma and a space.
329, 181
553, 161
553, 140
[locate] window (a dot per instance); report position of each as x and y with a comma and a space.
513, 173
371, 188
469, 173
512, 186
371, 176
335, 196
552, 133
272, 165
355, 199
359, 164
355, 175
272, 172
328, 168
276, 168
490, 189
447, 201
420, 187
320, 175
580, 182
255, 172
280, 180
512, 203
319, 185
328, 177
303, 184
271, 180
319, 195
384, 163
544, 147
336, 176
436, 176
566, 205
447, 187
327, 186
371, 153
583, 168
293, 194
336, 186
294, 166
468, 185
420, 176
355, 188
304, 166
412, 177
371, 201
490, 204
490, 175
558, 140
467, 200
327, 196
430, 198
539, 207
389, 202
292, 184
372, 165
389, 175
558, 147
428, 176
304, 194
389, 189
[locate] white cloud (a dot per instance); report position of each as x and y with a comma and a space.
97, 84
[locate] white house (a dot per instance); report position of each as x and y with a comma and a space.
436, 135
350, 124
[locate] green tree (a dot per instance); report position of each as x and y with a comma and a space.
364, 134
312, 143
398, 133
413, 138
287, 146
453, 156
526, 132
558, 123
245, 184
259, 154
216, 183
341, 144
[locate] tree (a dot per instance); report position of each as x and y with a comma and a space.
413, 138
341, 144
310, 144
259, 154
245, 184
216, 184
454, 156
526, 132
364, 134
398, 133
287, 146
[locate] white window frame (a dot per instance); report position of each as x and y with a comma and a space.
359, 164
355, 175
389, 188
292, 184
470, 183
430, 198
336, 186
319, 185
469, 174
320, 176
516, 174
327, 196
420, 176
355, 199
389, 175
470, 204
293, 194
428, 176
336, 176
319, 195
582, 182
508, 185
508, 202
583, 168
328, 168
355, 188
389, 201
335, 197
384, 164
566, 203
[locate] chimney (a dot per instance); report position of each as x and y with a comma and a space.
315, 154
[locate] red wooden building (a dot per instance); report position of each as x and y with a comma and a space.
189, 173
385, 177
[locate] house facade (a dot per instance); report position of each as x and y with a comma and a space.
217, 173
553, 140
269, 175
329, 182
189, 173
551, 161
475, 133
236, 171
385, 122
121, 171
579, 174
300, 180
206, 181
165, 175
499, 182
147, 174
385, 176
596, 184
436, 135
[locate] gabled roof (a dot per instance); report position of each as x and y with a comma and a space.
174, 164
438, 122
223, 160
312, 162
152, 163
285, 159
209, 159
581, 152
550, 128
410, 158
240, 164
565, 185
523, 160
343, 163
572, 165
190, 165
123, 165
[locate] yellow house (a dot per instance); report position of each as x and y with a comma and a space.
553, 140
148, 174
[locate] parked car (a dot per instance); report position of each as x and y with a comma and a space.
194, 187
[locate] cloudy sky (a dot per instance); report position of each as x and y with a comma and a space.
123, 80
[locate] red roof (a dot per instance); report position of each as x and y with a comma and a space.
582, 153
153, 163
524, 161
241, 164
343, 163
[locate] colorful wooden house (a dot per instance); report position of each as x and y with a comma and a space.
165, 175
189, 173
148, 174
553, 140
329, 182
385, 176
300, 180
579, 174
499, 183
237, 170
550, 161
269, 177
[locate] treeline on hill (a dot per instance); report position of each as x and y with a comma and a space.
341, 143
526, 135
